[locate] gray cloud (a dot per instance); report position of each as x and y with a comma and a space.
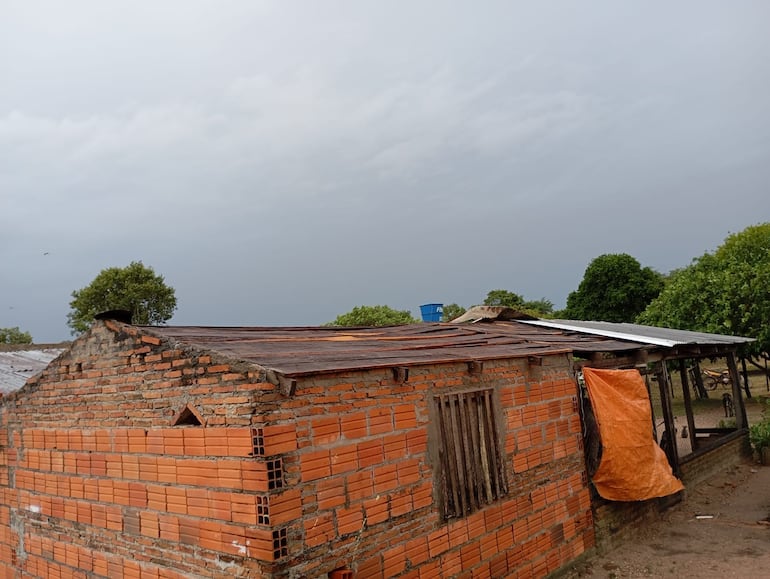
282, 163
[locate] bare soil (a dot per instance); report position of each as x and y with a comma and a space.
721, 529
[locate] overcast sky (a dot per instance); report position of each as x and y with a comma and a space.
282, 162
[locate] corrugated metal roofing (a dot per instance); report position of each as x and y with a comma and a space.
643, 334
18, 366
302, 351
307, 350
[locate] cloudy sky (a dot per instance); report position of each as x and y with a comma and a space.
282, 162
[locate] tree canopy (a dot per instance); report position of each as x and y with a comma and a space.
14, 336
452, 311
374, 316
508, 299
542, 307
615, 288
725, 292
136, 288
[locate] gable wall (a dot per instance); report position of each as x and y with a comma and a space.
95, 479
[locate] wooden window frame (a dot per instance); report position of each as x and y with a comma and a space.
472, 468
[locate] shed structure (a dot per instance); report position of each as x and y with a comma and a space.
413, 451
655, 353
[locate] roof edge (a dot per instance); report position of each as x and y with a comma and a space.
639, 338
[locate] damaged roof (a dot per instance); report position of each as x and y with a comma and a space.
490, 333
308, 350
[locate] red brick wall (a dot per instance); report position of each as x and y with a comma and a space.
96, 481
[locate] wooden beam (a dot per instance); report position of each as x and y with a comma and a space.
475, 367
741, 421
688, 404
611, 363
668, 416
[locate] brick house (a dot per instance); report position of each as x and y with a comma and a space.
414, 451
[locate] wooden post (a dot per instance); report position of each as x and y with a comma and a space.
741, 421
702, 393
652, 410
745, 374
688, 405
668, 415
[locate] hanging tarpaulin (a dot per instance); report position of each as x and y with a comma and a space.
633, 467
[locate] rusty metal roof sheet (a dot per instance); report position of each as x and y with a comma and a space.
306, 350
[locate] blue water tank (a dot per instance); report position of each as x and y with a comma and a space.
432, 312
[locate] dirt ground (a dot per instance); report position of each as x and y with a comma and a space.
721, 529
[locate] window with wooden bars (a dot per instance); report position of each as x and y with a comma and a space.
472, 473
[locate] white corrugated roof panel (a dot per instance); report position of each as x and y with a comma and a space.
638, 333
18, 366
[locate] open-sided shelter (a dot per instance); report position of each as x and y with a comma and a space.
654, 353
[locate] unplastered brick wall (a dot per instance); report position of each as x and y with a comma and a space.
615, 522
703, 465
97, 481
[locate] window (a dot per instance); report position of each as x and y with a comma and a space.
472, 473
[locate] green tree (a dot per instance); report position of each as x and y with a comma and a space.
14, 336
615, 288
452, 311
374, 316
725, 292
541, 307
135, 288
504, 298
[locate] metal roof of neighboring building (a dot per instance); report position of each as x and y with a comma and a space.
17, 366
643, 334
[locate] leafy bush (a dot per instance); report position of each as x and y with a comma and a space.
373, 316
14, 336
726, 423
759, 433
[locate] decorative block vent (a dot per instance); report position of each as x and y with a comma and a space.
280, 543
263, 510
274, 474
187, 416
258, 441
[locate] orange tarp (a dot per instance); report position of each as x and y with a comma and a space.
633, 467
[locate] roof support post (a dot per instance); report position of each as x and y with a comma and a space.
688, 404
698, 377
661, 375
741, 421
745, 375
